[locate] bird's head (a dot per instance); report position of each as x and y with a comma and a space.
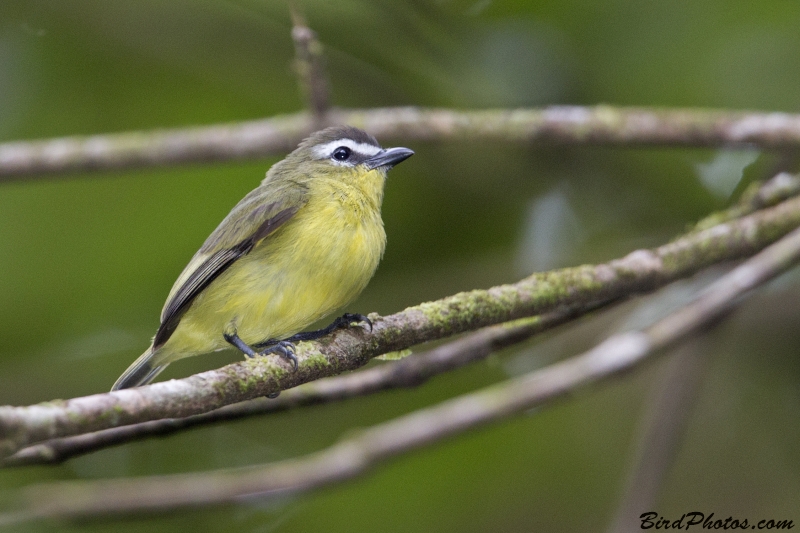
344, 153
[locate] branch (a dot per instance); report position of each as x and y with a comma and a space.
640, 271
355, 455
757, 196
411, 371
571, 125
309, 65
660, 433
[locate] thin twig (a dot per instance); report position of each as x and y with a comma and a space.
309, 65
357, 454
640, 271
571, 125
411, 371
662, 430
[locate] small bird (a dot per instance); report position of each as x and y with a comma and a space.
304, 243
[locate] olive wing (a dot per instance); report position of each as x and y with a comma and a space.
253, 219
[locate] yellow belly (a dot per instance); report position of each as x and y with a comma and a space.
316, 263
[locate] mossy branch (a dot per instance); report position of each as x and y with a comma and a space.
358, 453
411, 371
758, 195
570, 125
640, 271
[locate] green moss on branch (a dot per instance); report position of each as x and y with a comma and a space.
640, 271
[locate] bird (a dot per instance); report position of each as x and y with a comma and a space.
301, 245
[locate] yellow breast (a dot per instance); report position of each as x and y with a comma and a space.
317, 262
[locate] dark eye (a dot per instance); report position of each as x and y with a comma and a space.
342, 153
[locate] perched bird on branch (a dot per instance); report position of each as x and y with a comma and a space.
301, 245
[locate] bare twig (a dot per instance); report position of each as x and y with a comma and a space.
355, 455
600, 125
411, 371
661, 433
640, 271
309, 65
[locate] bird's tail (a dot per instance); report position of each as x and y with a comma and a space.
141, 372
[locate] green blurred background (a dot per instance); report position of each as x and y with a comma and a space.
87, 260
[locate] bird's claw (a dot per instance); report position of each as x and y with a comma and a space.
356, 318
283, 348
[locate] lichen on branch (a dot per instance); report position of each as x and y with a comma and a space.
639, 271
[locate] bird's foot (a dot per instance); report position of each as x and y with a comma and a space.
283, 348
286, 349
345, 321
351, 319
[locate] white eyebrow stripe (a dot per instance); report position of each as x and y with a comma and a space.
323, 151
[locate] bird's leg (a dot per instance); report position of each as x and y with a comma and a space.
234, 339
283, 348
344, 321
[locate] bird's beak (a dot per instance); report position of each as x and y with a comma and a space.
388, 158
